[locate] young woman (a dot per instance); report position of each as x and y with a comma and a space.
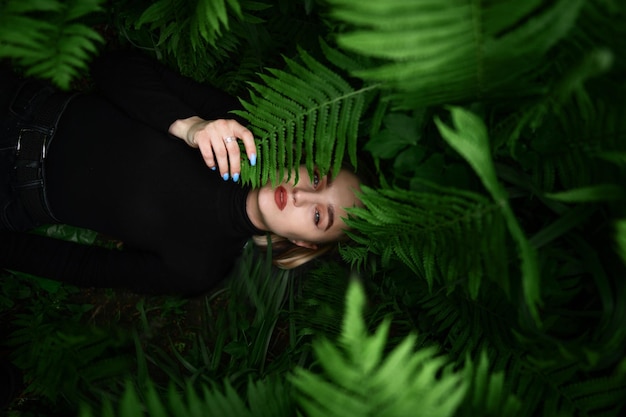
152, 159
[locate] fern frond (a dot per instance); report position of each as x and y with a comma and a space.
264, 399
488, 393
436, 52
311, 102
570, 149
68, 360
418, 228
561, 389
194, 37
47, 39
359, 381
204, 19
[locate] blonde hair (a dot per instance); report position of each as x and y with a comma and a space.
286, 255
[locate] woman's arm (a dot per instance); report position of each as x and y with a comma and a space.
148, 91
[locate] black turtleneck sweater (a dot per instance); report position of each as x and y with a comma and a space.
113, 168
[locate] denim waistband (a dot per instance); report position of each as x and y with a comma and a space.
38, 109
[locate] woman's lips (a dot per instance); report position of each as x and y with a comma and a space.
280, 196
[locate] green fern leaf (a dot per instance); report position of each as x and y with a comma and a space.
45, 38
603, 192
436, 52
488, 394
418, 228
361, 381
311, 102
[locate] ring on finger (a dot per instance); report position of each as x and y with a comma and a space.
228, 139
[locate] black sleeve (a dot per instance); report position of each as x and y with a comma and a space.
94, 266
150, 92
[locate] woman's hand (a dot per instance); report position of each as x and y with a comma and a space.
217, 141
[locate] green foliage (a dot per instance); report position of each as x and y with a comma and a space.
264, 399
48, 37
358, 378
357, 381
65, 360
470, 140
438, 52
190, 26
488, 396
204, 20
234, 339
248, 37
418, 227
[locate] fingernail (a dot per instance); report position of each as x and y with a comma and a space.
213, 168
253, 159
225, 176
235, 177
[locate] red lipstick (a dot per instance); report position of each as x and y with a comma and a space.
280, 196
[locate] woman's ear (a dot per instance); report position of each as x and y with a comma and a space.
304, 244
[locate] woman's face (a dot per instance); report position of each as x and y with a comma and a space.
308, 212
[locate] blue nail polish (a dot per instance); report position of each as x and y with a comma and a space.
253, 159
235, 177
214, 168
225, 176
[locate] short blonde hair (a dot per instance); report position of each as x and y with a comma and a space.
286, 255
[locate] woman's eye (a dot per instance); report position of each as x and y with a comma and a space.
317, 217
316, 178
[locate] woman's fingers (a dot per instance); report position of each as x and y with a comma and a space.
232, 146
207, 155
234, 158
218, 143
248, 141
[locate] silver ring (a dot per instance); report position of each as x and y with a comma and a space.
228, 139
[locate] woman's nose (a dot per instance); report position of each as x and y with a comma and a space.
302, 197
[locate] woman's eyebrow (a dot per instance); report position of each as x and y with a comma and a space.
331, 217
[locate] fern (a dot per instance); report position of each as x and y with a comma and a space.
467, 328
307, 114
488, 394
48, 38
561, 389
357, 380
66, 360
203, 20
437, 52
571, 156
193, 37
545, 370
319, 303
418, 228
264, 399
